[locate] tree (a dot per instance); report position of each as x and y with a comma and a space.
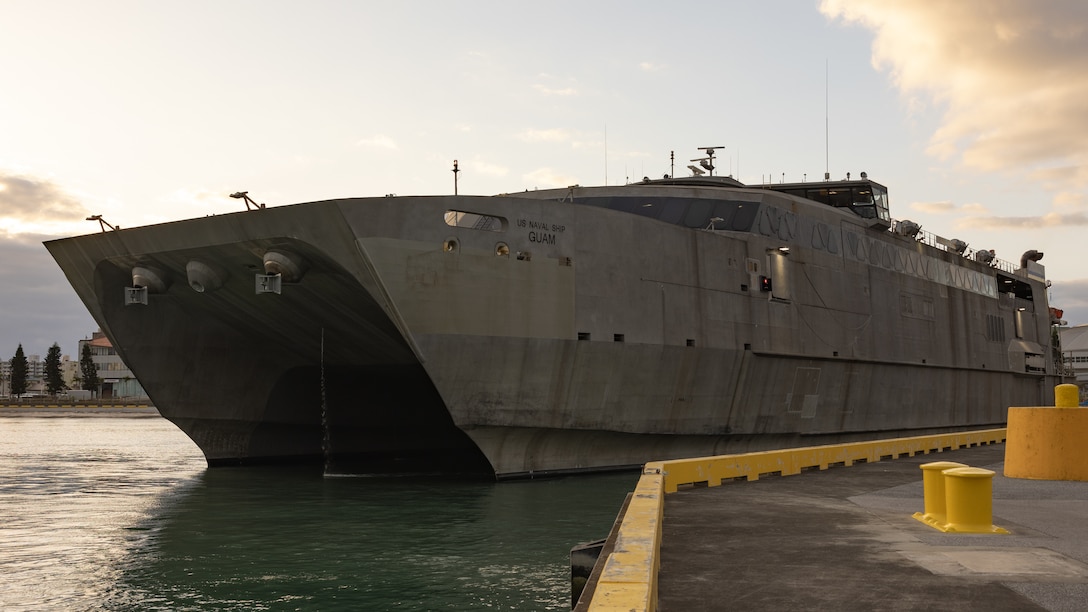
88, 370
19, 368
54, 381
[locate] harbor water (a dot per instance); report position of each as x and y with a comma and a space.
122, 514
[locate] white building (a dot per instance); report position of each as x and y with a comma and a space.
35, 376
117, 380
1075, 356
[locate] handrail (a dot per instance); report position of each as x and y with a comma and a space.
933, 240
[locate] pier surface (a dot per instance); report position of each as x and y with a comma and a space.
845, 538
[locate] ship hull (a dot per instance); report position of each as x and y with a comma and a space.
571, 338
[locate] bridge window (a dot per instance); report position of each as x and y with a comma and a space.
477, 221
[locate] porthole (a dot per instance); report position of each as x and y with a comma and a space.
450, 245
502, 249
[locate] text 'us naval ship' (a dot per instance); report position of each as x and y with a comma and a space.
573, 329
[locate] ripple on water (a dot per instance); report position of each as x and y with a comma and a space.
121, 514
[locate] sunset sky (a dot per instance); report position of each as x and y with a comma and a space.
972, 112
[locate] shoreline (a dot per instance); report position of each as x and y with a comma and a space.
66, 410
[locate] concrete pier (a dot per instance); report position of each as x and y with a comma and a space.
845, 538
42, 409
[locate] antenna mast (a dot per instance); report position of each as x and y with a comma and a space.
708, 161
827, 148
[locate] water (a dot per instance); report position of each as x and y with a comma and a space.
121, 514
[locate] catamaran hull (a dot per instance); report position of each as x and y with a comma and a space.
572, 338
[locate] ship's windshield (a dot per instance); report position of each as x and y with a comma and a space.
880, 199
870, 202
866, 199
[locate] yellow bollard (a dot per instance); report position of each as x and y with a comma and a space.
969, 497
933, 492
1066, 396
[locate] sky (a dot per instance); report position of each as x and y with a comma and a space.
972, 113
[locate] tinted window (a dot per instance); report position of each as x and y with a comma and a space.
840, 198
674, 210
698, 214
647, 207
820, 195
744, 216
724, 211
628, 205
601, 202
693, 213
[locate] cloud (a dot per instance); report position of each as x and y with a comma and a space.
933, 208
552, 135
587, 144
379, 141
1051, 219
651, 66
45, 306
1010, 76
29, 204
547, 178
1071, 200
1072, 297
566, 91
946, 207
481, 167
195, 201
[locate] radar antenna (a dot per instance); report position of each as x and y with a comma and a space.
708, 161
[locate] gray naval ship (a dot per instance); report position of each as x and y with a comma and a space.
574, 329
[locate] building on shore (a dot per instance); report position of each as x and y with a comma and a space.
69, 371
1075, 356
118, 382
35, 376
117, 379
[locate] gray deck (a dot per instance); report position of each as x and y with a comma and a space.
845, 538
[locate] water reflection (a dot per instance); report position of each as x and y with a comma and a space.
121, 514
70, 489
257, 539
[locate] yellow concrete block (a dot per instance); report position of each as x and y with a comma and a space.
628, 579
620, 597
632, 567
712, 470
1046, 443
